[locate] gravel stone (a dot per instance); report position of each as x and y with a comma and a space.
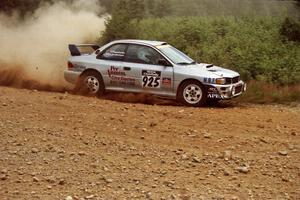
283, 153
34, 150
69, 198
244, 170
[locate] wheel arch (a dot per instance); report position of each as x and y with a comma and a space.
87, 71
90, 70
188, 79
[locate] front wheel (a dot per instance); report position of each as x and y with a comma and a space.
192, 93
91, 83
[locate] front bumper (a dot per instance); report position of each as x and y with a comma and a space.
226, 91
71, 76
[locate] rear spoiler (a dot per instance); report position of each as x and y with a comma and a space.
74, 48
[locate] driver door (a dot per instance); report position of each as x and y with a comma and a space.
144, 64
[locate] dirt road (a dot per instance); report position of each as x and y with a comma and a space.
61, 146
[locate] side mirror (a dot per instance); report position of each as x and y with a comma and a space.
97, 51
163, 62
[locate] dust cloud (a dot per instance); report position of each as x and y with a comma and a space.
36, 49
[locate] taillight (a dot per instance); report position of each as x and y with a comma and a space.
70, 65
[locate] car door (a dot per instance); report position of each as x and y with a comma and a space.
115, 75
144, 63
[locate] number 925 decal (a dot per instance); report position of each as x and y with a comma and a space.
151, 79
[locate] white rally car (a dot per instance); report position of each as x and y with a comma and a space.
152, 67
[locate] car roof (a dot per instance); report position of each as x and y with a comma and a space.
144, 42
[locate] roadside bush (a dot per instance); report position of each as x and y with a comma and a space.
290, 30
251, 46
262, 92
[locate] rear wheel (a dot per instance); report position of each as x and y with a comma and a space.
91, 83
192, 93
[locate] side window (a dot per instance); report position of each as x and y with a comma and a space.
116, 52
142, 54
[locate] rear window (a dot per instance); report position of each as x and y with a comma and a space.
115, 52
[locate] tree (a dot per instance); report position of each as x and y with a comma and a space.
123, 14
163, 8
21, 6
150, 7
290, 29
108, 4
136, 9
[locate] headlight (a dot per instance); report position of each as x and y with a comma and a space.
220, 81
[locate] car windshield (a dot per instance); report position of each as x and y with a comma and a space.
175, 55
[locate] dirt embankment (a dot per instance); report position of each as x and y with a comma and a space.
57, 145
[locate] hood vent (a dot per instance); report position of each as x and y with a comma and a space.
209, 66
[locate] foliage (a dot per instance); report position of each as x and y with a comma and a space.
262, 92
290, 29
9, 6
162, 8
119, 25
248, 36
24, 7
252, 46
235, 8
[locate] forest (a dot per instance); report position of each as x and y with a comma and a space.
258, 38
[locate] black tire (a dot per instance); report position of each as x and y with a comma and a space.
90, 83
192, 93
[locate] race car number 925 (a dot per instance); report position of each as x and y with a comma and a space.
151, 79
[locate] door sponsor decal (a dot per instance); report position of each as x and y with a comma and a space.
114, 54
115, 71
151, 79
166, 81
118, 77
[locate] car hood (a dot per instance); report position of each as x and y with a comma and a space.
211, 70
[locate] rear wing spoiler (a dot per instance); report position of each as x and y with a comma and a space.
75, 48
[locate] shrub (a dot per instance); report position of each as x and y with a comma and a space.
250, 45
290, 30
263, 92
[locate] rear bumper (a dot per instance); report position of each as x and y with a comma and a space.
227, 91
71, 76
